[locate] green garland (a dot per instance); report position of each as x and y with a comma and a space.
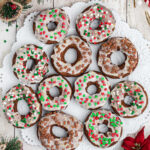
11, 144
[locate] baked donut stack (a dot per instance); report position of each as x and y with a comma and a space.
42, 99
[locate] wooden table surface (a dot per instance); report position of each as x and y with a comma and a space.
135, 17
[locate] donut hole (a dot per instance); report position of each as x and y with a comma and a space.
95, 24
54, 92
51, 26
92, 88
128, 100
71, 56
30, 64
22, 107
59, 132
118, 58
103, 128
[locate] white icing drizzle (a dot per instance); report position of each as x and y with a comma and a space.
57, 16
59, 102
106, 26
17, 93
127, 48
113, 123
73, 125
133, 89
25, 53
67, 68
96, 100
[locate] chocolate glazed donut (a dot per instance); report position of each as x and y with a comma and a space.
73, 127
83, 61
115, 44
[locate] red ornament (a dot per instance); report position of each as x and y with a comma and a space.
137, 143
13, 7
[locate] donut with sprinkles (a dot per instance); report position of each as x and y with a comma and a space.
136, 92
100, 138
60, 25
83, 61
10, 102
34, 73
92, 101
105, 27
59, 102
70, 124
112, 45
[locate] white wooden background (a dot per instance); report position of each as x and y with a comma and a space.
135, 17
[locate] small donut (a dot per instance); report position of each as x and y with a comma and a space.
106, 24
96, 100
50, 141
54, 103
134, 90
56, 16
83, 61
34, 74
99, 138
123, 45
10, 102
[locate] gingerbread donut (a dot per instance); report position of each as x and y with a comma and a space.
34, 74
55, 34
83, 61
10, 102
106, 24
99, 138
55, 103
96, 100
115, 44
134, 90
50, 141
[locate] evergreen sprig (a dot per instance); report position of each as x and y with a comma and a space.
11, 144
7, 10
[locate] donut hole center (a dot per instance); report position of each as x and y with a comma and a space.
22, 107
51, 26
128, 100
103, 128
30, 64
54, 91
71, 55
95, 24
118, 58
59, 132
92, 88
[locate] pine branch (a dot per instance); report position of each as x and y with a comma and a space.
11, 144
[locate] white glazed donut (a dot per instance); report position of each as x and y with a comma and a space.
100, 139
56, 16
54, 103
133, 89
10, 101
96, 100
105, 28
